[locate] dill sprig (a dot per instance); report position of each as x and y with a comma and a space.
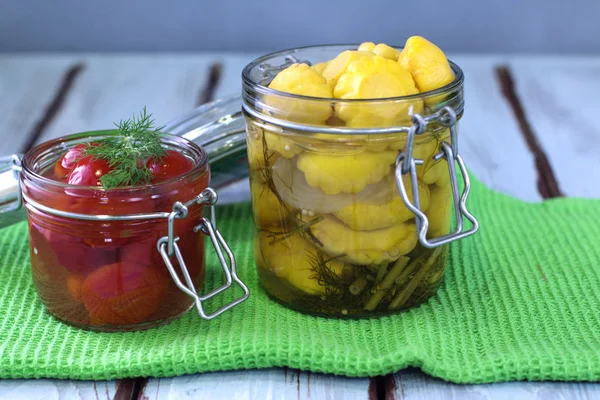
127, 151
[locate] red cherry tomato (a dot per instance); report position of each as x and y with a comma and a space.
67, 162
142, 251
171, 165
53, 282
123, 293
88, 171
69, 252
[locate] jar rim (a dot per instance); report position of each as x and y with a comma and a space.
265, 90
43, 149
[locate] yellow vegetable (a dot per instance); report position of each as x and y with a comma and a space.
426, 63
283, 145
318, 68
366, 46
443, 179
424, 149
336, 67
302, 80
364, 247
375, 78
386, 51
377, 143
436, 171
294, 259
383, 214
258, 159
381, 49
439, 212
345, 173
267, 209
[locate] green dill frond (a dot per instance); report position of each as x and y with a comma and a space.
136, 141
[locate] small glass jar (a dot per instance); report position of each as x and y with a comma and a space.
352, 199
114, 260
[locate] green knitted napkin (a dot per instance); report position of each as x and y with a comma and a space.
521, 300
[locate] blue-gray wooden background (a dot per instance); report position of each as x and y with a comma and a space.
482, 26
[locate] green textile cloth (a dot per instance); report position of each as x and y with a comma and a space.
521, 300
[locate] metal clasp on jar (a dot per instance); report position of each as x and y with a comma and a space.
406, 164
167, 246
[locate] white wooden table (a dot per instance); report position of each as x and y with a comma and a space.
538, 138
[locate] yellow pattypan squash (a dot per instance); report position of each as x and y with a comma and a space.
380, 49
302, 80
364, 247
386, 51
366, 46
384, 213
293, 259
427, 64
375, 78
318, 68
267, 209
439, 212
337, 67
345, 173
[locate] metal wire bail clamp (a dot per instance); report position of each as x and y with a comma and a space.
167, 246
406, 164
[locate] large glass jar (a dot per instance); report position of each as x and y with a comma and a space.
352, 199
115, 260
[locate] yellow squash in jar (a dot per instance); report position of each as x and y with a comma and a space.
366, 46
259, 157
338, 66
364, 247
427, 64
319, 68
386, 51
300, 79
439, 212
268, 210
389, 211
345, 173
294, 259
282, 145
376, 143
375, 78
380, 49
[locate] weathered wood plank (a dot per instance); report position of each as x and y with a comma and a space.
490, 141
27, 86
48, 389
256, 384
116, 86
412, 385
560, 97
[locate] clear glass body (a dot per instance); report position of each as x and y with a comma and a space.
109, 275
333, 237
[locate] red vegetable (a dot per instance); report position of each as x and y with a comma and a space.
171, 165
67, 251
67, 162
88, 171
123, 293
